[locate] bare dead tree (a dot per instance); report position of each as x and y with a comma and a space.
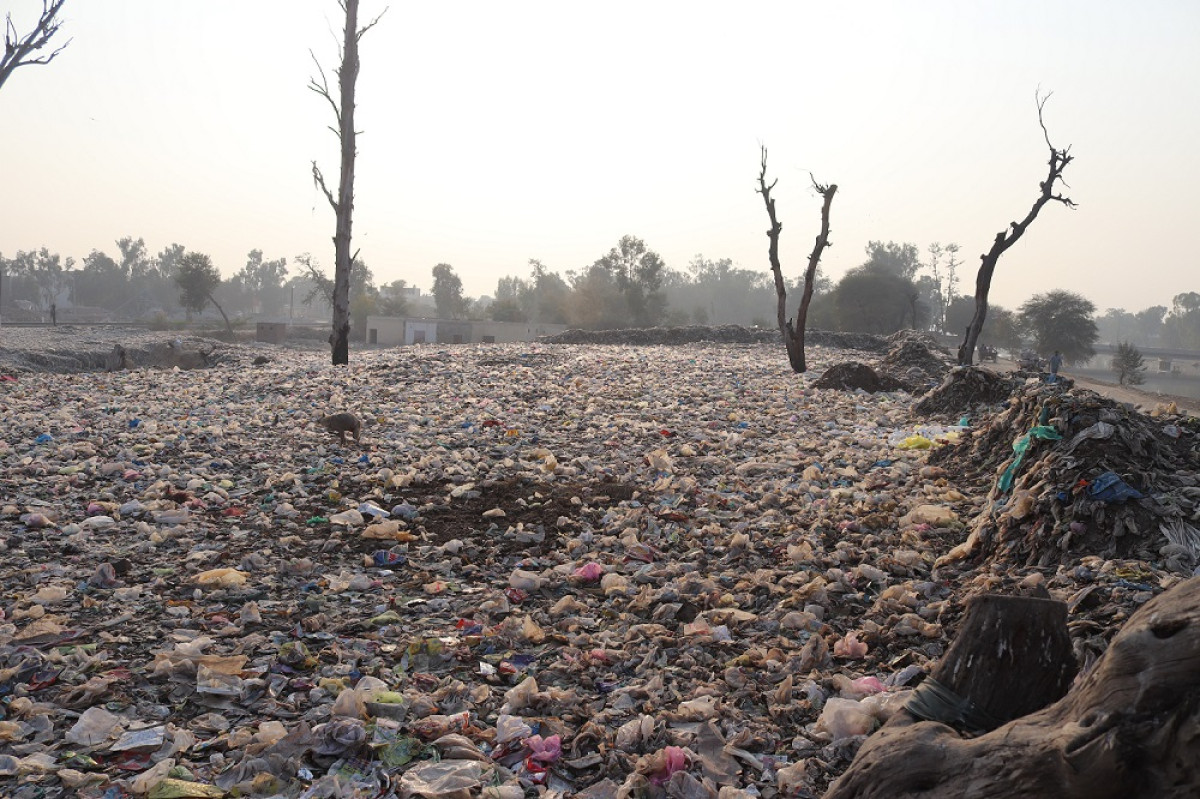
20, 50
1009, 236
793, 334
343, 206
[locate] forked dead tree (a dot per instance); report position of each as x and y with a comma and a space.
20, 50
793, 334
343, 206
1009, 236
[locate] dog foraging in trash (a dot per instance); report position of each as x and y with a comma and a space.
341, 423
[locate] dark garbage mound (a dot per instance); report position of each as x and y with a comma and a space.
720, 334
968, 390
853, 376
1076, 475
913, 362
917, 356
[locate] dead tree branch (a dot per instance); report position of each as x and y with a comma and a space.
343, 205
319, 180
1059, 159
21, 51
793, 334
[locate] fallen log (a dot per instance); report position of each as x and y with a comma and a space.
1129, 727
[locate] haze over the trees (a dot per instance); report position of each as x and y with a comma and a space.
518, 145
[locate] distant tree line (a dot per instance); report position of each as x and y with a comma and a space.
896, 286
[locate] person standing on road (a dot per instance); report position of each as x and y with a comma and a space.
1055, 361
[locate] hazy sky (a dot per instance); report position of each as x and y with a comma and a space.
496, 132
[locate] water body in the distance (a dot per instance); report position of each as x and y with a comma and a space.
1179, 385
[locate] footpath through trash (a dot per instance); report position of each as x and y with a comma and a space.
543, 569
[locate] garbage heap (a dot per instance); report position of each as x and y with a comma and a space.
916, 358
967, 390
592, 571
1074, 474
913, 362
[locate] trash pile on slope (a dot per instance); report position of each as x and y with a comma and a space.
1078, 474
596, 571
913, 363
969, 391
916, 359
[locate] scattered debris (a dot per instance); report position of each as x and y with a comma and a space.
588, 570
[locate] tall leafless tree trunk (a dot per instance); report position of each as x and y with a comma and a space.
1009, 236
343, 206
22, 50
793, 334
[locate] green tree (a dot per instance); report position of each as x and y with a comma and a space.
596, 303
1116, 324
549, 295
902, 260
393, 299
263, 282
1181, 328
1129, 365
873, 300
637, 273
715, 292
506, 310
1061, 320
198, 279
163, 267
52, 276
1150, 322
448, 292
1001, 329
100, 283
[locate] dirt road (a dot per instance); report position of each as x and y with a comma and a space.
1143, 400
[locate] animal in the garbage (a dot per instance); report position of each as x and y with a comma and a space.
341, 423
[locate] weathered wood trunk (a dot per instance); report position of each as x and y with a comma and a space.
1011, 656
793, 334
347, 76
1129, 728
1009, 236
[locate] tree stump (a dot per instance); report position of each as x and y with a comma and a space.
1011, 657
1130, 727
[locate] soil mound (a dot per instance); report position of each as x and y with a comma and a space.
854, 375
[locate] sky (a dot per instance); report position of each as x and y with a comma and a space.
493, 133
